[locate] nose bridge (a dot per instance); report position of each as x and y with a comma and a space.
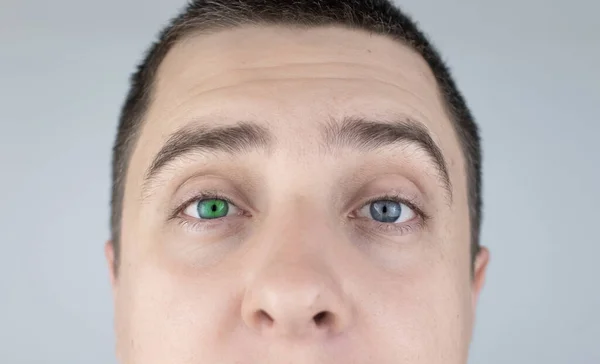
292, 287
298, 231
299, 226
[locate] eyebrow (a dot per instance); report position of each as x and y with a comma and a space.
242, 137
358, 133
368, 135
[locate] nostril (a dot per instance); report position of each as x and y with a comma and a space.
264, 319
322, 318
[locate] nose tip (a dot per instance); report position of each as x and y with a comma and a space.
287, 307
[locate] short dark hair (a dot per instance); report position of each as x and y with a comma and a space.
373, 16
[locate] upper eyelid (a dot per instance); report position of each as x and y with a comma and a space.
201, 194
363, 134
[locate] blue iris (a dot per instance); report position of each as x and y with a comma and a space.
385, 211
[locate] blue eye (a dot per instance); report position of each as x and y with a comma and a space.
387, 211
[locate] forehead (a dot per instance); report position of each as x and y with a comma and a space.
252, 53
291, 80
298, 62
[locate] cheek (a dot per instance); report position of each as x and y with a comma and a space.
169, 317
424, 315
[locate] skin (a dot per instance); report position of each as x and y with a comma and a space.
298, 273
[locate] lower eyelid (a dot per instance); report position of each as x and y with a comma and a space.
198, 225
404, 228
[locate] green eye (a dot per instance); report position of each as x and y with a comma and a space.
211, 208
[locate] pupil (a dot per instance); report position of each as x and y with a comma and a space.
214, 207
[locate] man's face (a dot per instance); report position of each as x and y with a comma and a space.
296, 196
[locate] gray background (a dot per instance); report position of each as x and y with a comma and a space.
529, 69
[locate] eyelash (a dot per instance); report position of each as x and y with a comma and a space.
196, 224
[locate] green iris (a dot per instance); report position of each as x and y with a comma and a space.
212, 209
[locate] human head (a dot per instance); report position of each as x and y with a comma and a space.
250, 101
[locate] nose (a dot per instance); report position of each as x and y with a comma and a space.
295, 294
